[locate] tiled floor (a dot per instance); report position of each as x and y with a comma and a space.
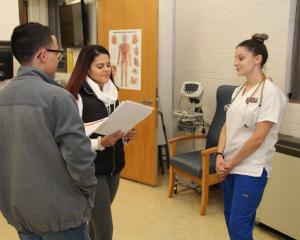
142, 212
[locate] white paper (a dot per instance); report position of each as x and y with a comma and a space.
92, 126
125, 117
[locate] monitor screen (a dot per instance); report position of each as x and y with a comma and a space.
72, 25
191, 87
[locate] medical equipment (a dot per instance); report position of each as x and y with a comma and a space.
191, 117
250, 114
192, 89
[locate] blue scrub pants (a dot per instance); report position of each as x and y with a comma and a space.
242, 195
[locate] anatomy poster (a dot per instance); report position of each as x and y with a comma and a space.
125, 56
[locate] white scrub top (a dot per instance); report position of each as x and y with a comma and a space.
241, 113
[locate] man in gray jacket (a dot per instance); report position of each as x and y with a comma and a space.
47, 175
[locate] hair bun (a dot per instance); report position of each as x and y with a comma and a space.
261, 37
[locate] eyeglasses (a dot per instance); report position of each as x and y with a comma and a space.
59, 53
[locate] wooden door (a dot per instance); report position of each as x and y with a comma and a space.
141, 154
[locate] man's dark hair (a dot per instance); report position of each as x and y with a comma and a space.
27, 39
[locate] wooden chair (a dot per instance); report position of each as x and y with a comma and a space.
199, 166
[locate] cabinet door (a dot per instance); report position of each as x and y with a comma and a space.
279, 208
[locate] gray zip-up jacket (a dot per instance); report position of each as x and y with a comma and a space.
47, 175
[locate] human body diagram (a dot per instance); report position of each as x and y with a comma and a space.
125, 46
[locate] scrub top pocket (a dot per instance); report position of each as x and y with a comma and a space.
250, 115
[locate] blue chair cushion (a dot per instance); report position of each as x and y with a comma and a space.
191, 163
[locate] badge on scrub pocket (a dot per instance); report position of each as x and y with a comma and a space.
251, 100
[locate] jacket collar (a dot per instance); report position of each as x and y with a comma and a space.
25, 71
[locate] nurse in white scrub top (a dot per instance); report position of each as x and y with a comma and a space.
247, 139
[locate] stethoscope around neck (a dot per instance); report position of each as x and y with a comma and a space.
249, 100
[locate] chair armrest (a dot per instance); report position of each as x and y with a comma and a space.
205, 159
209, 151
172, 142
186, 137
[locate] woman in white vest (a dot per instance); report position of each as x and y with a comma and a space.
247, 139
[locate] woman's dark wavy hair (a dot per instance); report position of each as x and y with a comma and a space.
256, 46
84, 61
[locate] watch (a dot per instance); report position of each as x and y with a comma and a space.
219, 153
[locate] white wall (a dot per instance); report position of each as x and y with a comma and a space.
165, 66
9, 18
207, 33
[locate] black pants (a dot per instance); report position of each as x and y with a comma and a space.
101, 224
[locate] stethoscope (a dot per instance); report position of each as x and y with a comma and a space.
249, 100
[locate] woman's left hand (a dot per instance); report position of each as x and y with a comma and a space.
130, 135
227, 168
